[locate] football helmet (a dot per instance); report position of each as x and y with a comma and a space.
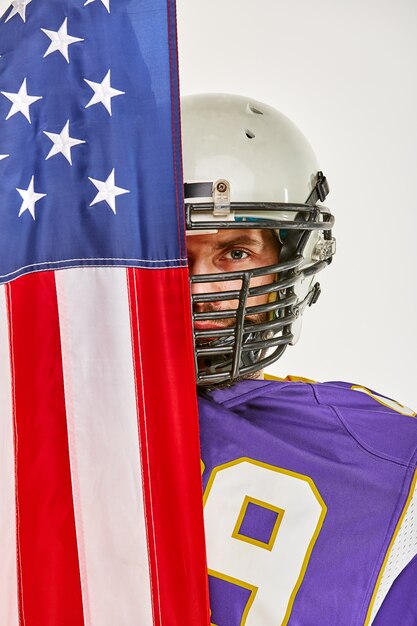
246, 165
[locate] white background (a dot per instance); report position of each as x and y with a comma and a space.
346, 74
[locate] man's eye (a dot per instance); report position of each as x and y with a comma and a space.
236, 255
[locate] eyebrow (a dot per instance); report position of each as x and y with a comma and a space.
238, 241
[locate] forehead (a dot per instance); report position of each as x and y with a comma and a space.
251, 237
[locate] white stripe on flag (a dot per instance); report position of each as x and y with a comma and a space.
8, 573
104, 449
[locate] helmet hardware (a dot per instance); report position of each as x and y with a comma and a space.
221, 198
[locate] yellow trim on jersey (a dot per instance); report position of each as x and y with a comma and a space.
390, 404
291, 379
270, 377
309, 550
397, 529
239, 583
256, 542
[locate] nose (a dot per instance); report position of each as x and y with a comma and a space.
212, 287
199, 264
198, 288
204, 287
202, 265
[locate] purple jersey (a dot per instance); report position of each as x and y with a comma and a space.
310, 504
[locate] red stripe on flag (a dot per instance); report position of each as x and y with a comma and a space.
169, 443
48, 568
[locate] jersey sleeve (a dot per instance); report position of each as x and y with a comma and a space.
387, 429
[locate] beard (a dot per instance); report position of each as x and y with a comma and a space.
222, 363
259, 318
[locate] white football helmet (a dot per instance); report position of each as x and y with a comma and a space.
248, 166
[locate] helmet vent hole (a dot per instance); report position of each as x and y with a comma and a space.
254, 110
249, 134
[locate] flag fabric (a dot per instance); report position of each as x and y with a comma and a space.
100, 489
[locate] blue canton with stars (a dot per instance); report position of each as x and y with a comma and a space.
90, 166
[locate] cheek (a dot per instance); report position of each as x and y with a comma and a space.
232, 285
256, 282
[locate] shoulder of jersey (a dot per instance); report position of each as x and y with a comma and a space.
339, 394
378, 423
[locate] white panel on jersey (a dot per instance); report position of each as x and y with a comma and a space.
104, 448
392, 404
8, 552
403, 550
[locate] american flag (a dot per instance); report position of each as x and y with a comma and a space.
100, 493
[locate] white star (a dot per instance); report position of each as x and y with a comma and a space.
105, 2
107, 191
103, 92
3, 156
30, 198
21, 101
60, 40
19, 8
62, 143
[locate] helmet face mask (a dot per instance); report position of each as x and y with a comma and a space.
240, 349
249, 334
